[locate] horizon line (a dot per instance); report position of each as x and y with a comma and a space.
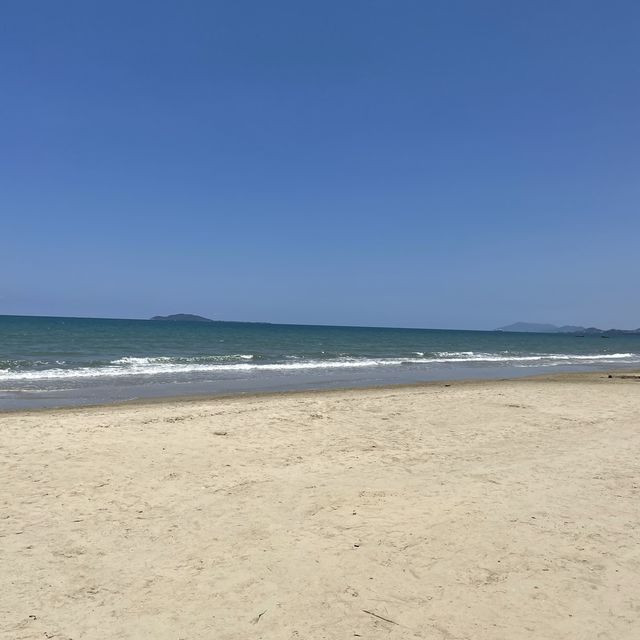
264, 322
304, 324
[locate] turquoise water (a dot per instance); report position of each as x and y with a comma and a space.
45, 361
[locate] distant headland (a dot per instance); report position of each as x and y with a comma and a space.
533, 327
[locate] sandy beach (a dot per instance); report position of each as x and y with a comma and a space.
478, 510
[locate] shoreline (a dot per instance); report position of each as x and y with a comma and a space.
585, 376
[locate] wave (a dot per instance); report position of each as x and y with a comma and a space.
470, 356
158, 366
130, 360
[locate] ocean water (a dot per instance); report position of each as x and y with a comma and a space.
66, 361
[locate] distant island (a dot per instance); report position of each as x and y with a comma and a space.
182, 317
533, 327
190, 317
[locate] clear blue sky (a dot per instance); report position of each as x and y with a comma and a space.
438, 164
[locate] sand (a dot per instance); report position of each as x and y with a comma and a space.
479, 510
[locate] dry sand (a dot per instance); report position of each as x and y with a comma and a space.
478, 510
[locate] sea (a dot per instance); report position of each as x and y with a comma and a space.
54, 361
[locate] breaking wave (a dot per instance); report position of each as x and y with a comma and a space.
162, 366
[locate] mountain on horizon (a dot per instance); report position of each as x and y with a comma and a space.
535, 327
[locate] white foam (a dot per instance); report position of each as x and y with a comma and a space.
130, 360
470, 356
150, 369
136, 366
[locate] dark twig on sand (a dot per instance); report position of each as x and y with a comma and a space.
257, 618
375, 615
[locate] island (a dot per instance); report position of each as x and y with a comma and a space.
190, 317
182, 317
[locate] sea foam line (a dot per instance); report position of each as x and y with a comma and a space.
134, 366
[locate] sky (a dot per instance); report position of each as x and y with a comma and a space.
443, 164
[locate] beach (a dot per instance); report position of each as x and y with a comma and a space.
48, 362
464, 510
